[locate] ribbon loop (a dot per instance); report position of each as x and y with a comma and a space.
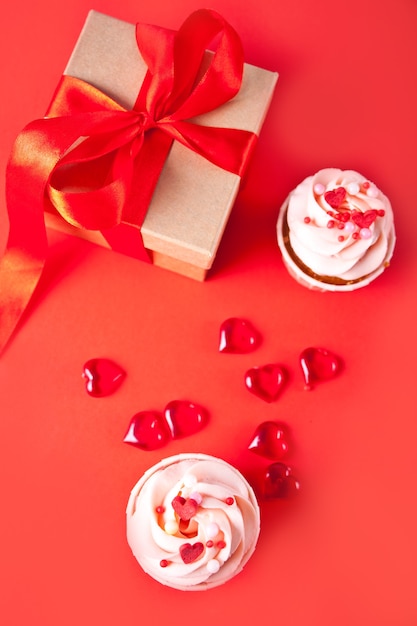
182, 87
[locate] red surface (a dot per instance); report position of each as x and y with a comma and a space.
345, 552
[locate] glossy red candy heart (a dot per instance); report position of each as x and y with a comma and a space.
185, 418
266, 381
238, 336
319, 364
335, 197
190, 552
148, 430
279, 482
270, 440
184, 508
102, 377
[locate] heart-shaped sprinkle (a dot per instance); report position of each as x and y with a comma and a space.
335, 197
190, 552
102, 377
185, 418
279, 482
319, 364
364, 220
185, 508
148, 430
270, 440
238, 336
266, 381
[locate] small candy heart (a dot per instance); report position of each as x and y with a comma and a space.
190, 552
335, 197
238, 336
318, 364
266, 382
185, 418
148, 430
184, 508
364, 220
270, 440
102, 377
279, 482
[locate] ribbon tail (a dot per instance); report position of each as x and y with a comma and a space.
151, 159
17, 287
22, 264
34, 156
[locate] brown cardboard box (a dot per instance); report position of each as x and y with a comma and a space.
193, 198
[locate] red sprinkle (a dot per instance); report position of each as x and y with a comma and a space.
307, 220
164, 563
221, 544
160, 510
330, 224
341, 238
209, 543
366, 185
381, 213
355, 236
344, 217
230, 500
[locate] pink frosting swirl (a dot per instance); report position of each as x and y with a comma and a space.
340, 225
192, 522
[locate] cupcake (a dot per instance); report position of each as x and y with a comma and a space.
336, 231
192, 522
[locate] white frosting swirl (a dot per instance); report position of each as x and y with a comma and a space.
348, 253
224, 525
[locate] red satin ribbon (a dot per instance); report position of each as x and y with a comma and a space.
88, 139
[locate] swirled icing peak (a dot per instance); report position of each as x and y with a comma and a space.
192, 522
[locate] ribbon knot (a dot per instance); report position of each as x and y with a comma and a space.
97, 164
144, 124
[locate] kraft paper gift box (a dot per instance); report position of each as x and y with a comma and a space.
193, 198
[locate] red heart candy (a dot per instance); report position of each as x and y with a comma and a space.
190, 552
184, 508
185, 418
102, 377
270, 440
238, 336
266, 382
364, 220
279, 482
148, 430
335, 197
318, 364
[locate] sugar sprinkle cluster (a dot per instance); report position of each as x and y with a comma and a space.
343, 213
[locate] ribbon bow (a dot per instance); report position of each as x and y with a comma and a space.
97, 163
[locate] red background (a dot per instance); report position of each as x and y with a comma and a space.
345, 552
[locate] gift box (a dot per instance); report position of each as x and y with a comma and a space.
193, 197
